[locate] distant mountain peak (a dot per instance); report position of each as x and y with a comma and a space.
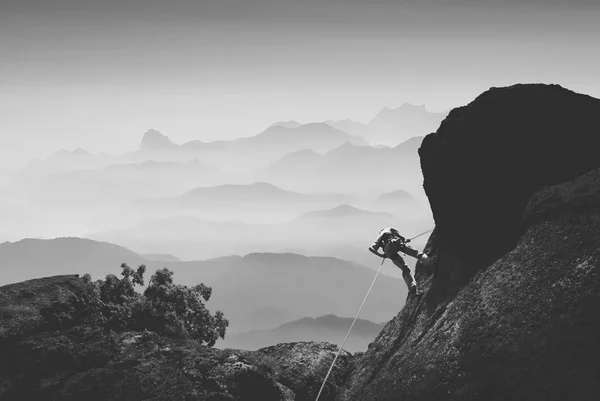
275, 257
264, 184
404, 107
343, 211
399, 194
319, 125
301, 153
308, 127
287, 124
154, 140
79, 152
259, 189
348, 148
349, 145
407, 105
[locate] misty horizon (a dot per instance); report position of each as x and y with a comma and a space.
96, 76
299, 199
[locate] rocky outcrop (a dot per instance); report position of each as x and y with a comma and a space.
302, 366
487, 159
84, 363
510, 309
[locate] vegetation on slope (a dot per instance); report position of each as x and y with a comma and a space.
164, 308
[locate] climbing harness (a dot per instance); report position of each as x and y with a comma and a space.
349, 330
383, 257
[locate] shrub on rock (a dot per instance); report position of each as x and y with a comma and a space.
164, 307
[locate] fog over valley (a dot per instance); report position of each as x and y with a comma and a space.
285, 214
201, 200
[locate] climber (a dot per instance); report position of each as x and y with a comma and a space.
392, 243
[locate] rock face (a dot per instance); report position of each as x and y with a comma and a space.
510, 309
302, 367
486, 159
83, 363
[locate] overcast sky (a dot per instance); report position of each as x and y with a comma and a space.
97, 74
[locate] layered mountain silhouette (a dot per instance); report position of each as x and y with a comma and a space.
121, 184
348, 168
310, 233
249, 152
392, 126
290, 124
32, 258
351, 127
328, 328
399, 195
509, 308
288, 137
161, 257
303, 286
243, 287
400, 200
239, 154
259, 202
76, 192
67, 160
342, 212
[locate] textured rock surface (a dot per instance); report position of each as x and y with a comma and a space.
302, 367
511, 301
20, 305
83, 363
486, 159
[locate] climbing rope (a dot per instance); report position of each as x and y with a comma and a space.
420, 235
349, 330
356, 317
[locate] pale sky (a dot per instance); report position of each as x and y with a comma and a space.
98, 74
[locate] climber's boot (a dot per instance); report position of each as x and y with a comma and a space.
413, 290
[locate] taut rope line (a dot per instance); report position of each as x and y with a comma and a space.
349, 330
423, 233
356, 317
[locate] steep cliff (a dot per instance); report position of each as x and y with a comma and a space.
511, 301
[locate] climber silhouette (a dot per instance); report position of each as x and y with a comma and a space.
392, 243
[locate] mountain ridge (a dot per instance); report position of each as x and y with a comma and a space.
326, 328
242, 284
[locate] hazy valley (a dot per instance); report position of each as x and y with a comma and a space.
287, 214
189, 192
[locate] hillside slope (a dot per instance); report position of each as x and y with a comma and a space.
511, 300
33, 258
244, 287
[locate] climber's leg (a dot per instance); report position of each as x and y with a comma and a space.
420, 256
408, 276
409, 251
